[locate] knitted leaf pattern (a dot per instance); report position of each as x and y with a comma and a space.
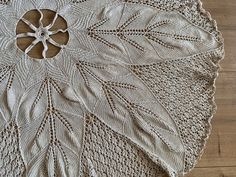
131, 93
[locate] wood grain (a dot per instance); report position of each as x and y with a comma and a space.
214, 172
219, 158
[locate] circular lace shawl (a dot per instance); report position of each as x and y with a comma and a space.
130, 94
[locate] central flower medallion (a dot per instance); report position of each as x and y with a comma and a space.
42, 33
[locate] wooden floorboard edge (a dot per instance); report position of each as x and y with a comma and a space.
233, 166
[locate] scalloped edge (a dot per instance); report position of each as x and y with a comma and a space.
179, 6
205, 14
221, 54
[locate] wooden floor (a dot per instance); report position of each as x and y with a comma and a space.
219, 159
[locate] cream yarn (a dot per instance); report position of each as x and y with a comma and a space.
130, 94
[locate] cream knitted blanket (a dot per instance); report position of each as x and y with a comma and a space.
130, 94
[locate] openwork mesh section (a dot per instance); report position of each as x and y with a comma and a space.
106, 154
11, 163
4, 1
186, 89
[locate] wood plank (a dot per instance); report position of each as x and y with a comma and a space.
229, 62
219, 158
214, 172
225, 92
221, 147
223, 11
225, 14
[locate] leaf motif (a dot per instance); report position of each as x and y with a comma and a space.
123, 31
54, 138
143, 35
142, 124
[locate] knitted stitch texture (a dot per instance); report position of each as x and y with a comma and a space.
131, 93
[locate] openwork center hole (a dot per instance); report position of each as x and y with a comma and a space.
42, 33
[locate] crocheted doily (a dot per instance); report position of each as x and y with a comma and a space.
130, 93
